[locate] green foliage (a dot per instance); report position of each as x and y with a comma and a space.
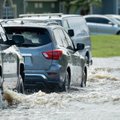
105, 45
84, 5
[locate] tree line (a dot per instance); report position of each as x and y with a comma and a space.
82, 5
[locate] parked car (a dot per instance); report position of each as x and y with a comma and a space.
51, 60
11, 64
102, 24
70, 22
117, 17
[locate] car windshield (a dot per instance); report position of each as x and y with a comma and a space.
32, 36
114, 20
117, 19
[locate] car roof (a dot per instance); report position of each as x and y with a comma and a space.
95, 15
58, 16
100, 16
113, 15
20, 23
103, 16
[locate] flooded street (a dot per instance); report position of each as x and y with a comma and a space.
99, 100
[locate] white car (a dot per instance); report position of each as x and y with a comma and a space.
117, 17
102, 24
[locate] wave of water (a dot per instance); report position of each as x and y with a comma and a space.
103, 87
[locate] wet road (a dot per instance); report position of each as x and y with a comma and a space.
100, 100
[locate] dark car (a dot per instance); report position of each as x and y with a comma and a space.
51, 60
11, 64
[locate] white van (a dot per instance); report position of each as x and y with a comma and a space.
72, 23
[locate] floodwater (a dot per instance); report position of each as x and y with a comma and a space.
99, 100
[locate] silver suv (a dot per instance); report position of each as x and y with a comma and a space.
75, 23
51, 60
103, 24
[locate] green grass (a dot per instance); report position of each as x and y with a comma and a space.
105, 45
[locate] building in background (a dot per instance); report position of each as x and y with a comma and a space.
12, 8
41, 6
107, 7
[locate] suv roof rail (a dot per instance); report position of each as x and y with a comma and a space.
45, 22
52, 23
7, 20
12, 21
18, 21
38, 15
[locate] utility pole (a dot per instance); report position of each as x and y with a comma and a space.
24, 4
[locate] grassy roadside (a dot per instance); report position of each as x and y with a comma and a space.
105, 45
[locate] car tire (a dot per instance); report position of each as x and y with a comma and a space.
84, 78
118, 33
20, 86
87, 60
66, 84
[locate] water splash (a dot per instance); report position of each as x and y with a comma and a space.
101, 80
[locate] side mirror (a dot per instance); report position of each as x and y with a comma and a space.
71, 32
18, 39
80, 46
110, 23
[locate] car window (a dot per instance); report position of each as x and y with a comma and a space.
63, 38
78, 24
57, 37
97, 20
114, 20
32, 36
118, 19
65, 25
60, 37
91, 20
69, 41
103, 21
74, 23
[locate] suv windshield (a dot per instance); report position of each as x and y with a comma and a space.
32, 36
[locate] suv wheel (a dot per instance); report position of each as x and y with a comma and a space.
118, 33
87, 60
84, 78
66, 85
20, 86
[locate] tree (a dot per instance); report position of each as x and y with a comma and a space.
67, 4
83, 5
